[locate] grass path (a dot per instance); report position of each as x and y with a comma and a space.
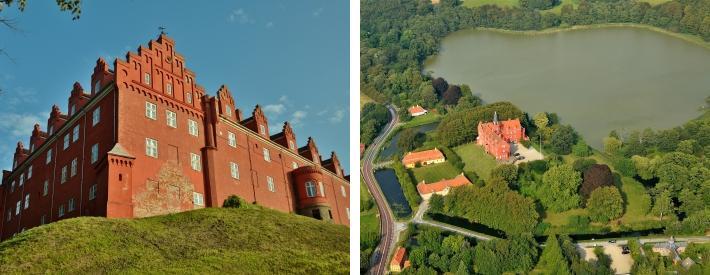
476, 160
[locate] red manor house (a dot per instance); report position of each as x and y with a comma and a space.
147, 140
496, 136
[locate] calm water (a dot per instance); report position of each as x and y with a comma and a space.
597, 80
393, 192
391, 147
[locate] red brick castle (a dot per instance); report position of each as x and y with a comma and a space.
496, 137
147, 140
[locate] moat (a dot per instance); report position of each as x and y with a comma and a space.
597, 80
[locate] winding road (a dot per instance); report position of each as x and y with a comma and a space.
387, 226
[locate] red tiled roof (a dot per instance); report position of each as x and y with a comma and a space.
398, 256
414, 157
459, 180
416, 109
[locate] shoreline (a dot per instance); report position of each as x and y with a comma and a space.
685, 37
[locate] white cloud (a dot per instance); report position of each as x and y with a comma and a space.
274, 109
283, 98
338, 116
18, 96
318, 12
269, 24
322, 113
19, 125
240, 16
298, 116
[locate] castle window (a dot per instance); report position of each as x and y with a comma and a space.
342, 191
73, 167
45, 189
50, 129
32, 147
42, 220
198, 199
146, 78
18, 205
195, 162
188, 97
9, 215
97, 86
291, 145
27, 201
29, 172
234, 169
310, 189
172, 118
96, 116
322, 190
75, 133
66, 141
92, 191
49, 156
151, 110
71, 205
94, 153
262, 129
151, 147
71, 109
192, 127
232, 139
294, 165
316, 214
60, 212
169, 88
12, 186
22, 179
267, 157
227, 110
270, 184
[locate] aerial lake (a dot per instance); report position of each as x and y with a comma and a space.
597, 80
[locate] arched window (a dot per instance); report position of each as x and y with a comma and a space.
310, 189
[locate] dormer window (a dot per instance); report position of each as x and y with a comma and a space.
169, 89
291, 145
227, 110
262, 129
146, 78
188, 97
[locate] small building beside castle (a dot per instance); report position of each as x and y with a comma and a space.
442, 187
417, 110
423, 158
146, 140
497, 136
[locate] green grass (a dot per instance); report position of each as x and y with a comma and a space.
476, 160
364, 99
634, 192
434, 172
502, 3
421, 120
369, 222
205, 241
561, 219
655, 2
557, 9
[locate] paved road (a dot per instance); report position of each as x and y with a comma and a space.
387, 226
419, 219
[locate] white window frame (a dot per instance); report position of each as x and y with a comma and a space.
75, 133
195, 162
234, 170
343, 192
171, 118
49, 156
146, 78
18, 206
60, 212
29, 172
151, 147
27, 201
71, 205
169, 88
198, 199
22, 179
294, 165
45, 188
66, 141
291, 145
270, 184
71, 109
188, 97
310, 189
267, 154
74, 164
232, 139
97, 86
227, 110
96, 116
151, 110
94, 153
262, 129
65, 174
92, 191
322, 189
192, 128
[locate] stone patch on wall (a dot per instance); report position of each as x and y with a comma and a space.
170, 192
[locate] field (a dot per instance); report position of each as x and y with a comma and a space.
421, 120
502, 3
655, 2
476, 160
205, 241
434, 172
561, 219
369, 222
635, 210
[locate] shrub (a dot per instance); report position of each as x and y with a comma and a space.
234, 201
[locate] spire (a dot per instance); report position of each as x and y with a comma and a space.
495, 117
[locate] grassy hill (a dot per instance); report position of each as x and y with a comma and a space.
212, 240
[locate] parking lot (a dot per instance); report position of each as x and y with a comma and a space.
621, 263
528, 154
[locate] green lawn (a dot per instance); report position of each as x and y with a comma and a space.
655, 2
204, 241
476, 160
561, 219
434, 172
557, 9
369, 222
634, 192
502, 3
421, 120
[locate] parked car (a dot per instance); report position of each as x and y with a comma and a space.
625, 250
516, 154
612, 241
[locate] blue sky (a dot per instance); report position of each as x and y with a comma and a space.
291, 58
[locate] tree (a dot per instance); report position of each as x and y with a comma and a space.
551, 260
506, 172
582, 164
410, 139
581, 149
605, 204
559, 188
596, 176
428, 97
644, 167
540, 120
562, 140
440, 85
452, 95
662, 205
612, 145
538, 4
689, 146
234, 201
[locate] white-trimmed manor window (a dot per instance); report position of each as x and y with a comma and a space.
342, 191
27, 201
60, 212
151, 147
66, 141
291, 145
270, 184
18, 205
192, 127
310, 189
195, 162
74, 164
64, 174
188, 97
146, 78
262, 129
96, 116
22, 179
45, 188
97, 86
322, 190
92, 192
94, 153
151, 110
169, 88
75, 133
232, 139
49, 156
267, 156
72, 205
234, 170
198, 199
29, 172
294, 165
227, 110
171, 118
